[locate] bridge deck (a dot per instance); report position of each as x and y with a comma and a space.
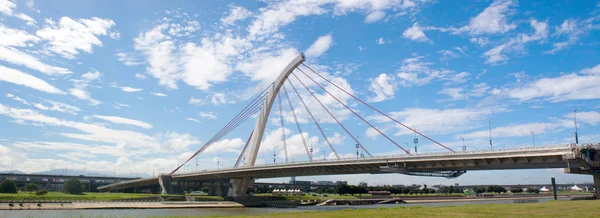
557, 156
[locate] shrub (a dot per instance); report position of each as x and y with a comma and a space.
30, 187
73, 186
42, 192
8, 186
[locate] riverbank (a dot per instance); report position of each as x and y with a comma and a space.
119, 205
95, 196
546, 209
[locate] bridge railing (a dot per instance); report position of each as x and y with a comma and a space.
571, 146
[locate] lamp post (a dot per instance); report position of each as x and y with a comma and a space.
357, 146
533, 137
311, 150
218, 162
323, 155
490, 125
416, 141
575, 121
274, 154
464, 147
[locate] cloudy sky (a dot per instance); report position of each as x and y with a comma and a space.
128, 86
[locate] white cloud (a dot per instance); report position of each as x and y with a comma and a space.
15, 37
496, 55
374, 16
380, 41
140, 76
125, 121
129, 59
193, 120
220, 98
68, 37
320, 46
130, 89
491, 20
416, 72
415, 33
236, 13
81, 85
17, 77
14, 56
572, 86
207, 115
195, 101
58, 106
6, 7
226, 145
458, 93
572, 30
439, 121
177, 142
159, 94
519, 130
383, 86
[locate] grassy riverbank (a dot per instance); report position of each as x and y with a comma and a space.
91, 196
546, 209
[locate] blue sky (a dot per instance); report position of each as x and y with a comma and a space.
126, 85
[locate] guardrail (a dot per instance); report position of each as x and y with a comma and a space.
571, 147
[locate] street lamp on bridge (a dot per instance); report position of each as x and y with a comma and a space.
311, 149
490, 125
323, 155
464, 147
533, 137
575, 121
357, 146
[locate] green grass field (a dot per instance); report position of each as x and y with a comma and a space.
547, 209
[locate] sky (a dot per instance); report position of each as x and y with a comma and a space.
133, 88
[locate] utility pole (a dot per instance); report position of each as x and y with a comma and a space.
533, 137
490, 124
464, 146
575, 121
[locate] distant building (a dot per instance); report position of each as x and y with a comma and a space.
576, 189
544, 189
341, 182
324, 183
363, 184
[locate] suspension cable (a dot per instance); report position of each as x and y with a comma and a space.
282, 128
296, 120
232, 124
243, 150
314, 120
375, 109
332, 116
350, 109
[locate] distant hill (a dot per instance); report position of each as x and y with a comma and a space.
14, 171
69, 172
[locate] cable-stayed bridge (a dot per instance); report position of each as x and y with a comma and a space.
234, 182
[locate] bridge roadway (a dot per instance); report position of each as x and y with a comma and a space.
541, 157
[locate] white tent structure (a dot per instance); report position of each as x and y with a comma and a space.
576, 189
544, 189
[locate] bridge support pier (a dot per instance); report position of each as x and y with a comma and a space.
597, 184
239, 187
165, 184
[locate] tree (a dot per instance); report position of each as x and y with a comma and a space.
205, 189
479, 190
516, 190
451, 190
73, 186
31, 187
8, 186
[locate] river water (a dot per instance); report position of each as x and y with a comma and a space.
220, 211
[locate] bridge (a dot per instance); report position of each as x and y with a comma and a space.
234, 182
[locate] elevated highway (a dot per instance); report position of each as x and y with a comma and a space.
573, 159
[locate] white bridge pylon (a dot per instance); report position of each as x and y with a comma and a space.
261, 122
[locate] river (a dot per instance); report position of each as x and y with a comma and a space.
220, 211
